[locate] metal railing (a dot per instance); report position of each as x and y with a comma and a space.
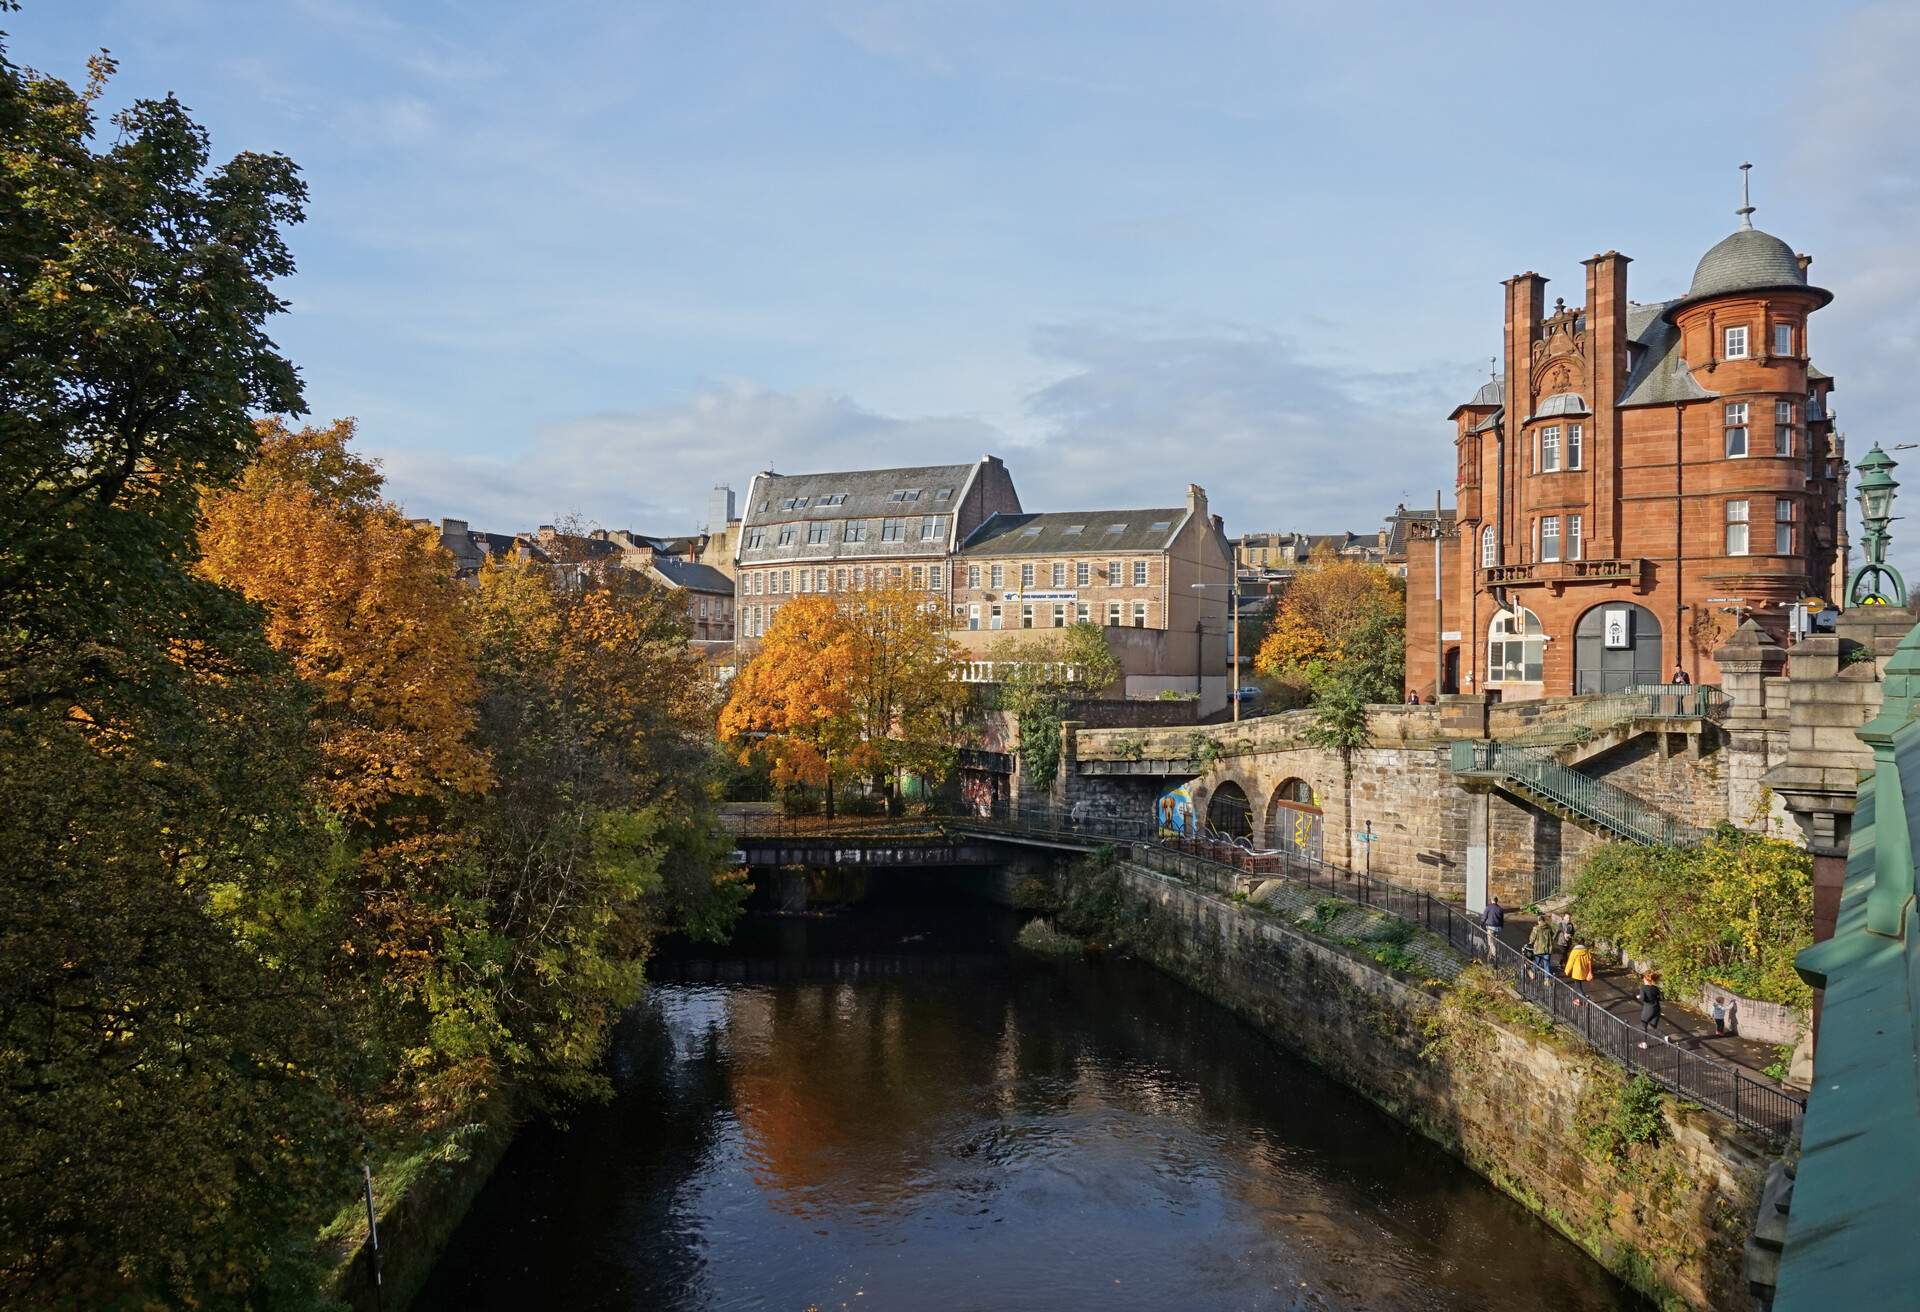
1599, 713
1718, 1085
1535, 770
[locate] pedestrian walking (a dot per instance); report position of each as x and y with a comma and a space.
1563, 938
1493, 917
1540, 948
1648, 997
1719, 1015
1580, 970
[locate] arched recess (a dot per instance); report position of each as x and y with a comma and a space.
1616, 645
1516, 647
1294, 820
1229, 811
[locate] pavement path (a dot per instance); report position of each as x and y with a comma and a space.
1613, 988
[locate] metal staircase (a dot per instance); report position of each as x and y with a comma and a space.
1533, 772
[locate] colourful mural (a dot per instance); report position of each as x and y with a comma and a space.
1175, 813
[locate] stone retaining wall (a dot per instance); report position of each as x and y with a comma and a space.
1510, 1102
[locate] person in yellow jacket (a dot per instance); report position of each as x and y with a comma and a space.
1579, 969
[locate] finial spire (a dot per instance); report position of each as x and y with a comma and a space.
1746, 200
1493, 367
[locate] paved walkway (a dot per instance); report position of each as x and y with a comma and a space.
1613, 988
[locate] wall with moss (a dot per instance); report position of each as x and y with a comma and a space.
1660, 1193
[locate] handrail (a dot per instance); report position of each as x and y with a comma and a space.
1718, 1085
1610, 806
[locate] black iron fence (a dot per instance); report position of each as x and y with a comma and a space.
1694, 1076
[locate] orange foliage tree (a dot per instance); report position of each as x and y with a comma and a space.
792, 704
1338, 617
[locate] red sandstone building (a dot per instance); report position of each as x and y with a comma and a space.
1640, 479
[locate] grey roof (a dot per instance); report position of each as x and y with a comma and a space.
1748, 260
1075, 532
1490, 423
1492, 392
1400, 528
695, 577
867, 495
1660, 376
1566, 403
1815, 374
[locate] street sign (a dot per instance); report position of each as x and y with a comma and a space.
1363, 835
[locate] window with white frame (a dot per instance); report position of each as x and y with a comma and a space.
1736, 528
1026, 615
1059, 573
1576, 444
1785, 418
1082, 573
1783, 339
1113, 614
1081, 612
1139, 573
994, 618
840, 580
1783, 527
973, 576
998, 573
919, 578
855, 531
787, 534
936, 577
859, 579
1550, 449
930, 526
1114, 579
1026, 577
1573, 537
820, 579
1516, 647
893, 530
756, 537
1734, 343
1059, 616
1550, 537
806, 580
1489, 548
1139, 614
973, 615
1736, 429
816, 534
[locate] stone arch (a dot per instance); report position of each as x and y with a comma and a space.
1598, 667
1295, 822
1229, 811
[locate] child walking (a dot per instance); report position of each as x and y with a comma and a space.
1579, 969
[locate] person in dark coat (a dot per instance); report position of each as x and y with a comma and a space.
1649, 998
1680, 677
1493, 917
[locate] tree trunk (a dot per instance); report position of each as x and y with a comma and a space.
829, 807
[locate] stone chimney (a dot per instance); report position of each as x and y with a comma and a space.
1197, 500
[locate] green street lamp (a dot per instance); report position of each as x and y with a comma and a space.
1876, 583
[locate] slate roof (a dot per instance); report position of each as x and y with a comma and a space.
1565, 403
695, 577
777, 501
1075, 533
867, 493
1400, 528
1748, 260
1660, 376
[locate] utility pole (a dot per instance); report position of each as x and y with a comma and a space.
1438, 528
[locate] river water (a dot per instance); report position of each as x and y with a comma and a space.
890, 1108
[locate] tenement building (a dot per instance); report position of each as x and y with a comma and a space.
1154, 578
807, 533
1637, 481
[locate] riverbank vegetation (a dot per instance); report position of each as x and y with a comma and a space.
1731, 911
309, 843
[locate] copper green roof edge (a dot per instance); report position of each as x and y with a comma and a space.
1853, 1234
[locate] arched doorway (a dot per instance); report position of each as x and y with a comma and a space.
1229, 812
1294, 820
1616, 645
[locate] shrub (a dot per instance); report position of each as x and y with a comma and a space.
1040, 936
1732, 911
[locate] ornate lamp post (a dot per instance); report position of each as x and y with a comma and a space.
1876, 583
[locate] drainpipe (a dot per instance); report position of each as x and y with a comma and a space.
1679, 546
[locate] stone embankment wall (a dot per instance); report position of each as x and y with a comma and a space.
1519, 1106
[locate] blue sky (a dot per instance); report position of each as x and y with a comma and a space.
594, 257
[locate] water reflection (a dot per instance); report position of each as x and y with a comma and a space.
869, 1118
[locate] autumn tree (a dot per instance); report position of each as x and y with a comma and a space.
1339, 619
169, 1123
792, 704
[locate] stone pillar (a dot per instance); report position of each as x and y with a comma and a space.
1479, 848
1755, 742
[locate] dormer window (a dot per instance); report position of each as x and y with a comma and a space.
944, 494
1734, 343
905, 494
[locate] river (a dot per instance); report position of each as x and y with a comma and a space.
891, 1108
